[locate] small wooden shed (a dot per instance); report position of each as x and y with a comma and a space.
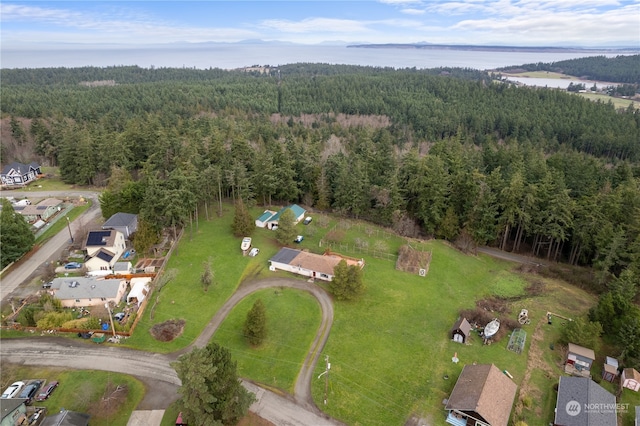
610, 370
460, 330
630, 379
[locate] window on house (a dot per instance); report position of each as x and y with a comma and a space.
77, 300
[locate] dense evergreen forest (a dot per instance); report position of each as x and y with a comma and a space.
621, 69
446, 153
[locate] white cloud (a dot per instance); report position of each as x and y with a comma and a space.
315, 24
413, 11
401, 2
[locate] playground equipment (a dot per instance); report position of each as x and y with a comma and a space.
523, 317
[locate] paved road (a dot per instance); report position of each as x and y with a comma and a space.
513, 257
50, 251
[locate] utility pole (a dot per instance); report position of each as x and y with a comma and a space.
69, 227
113, 328
326, 377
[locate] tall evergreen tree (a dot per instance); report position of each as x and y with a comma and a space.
211, 393
16, 237
286, 231
243, 224
255, 326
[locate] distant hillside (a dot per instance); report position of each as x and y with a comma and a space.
620, 69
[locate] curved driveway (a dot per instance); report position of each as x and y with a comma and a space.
276, 408
302, 390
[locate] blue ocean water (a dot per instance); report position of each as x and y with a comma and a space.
230, 56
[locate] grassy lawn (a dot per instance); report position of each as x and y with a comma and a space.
82, 391
390, 352
539, 74
184, 297
293, 317
617, 102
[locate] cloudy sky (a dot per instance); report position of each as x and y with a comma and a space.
587, 23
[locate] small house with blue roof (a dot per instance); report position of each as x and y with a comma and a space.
269, 219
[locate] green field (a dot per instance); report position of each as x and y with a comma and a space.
390, 351
293, 318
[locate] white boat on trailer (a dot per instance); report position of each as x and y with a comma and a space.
492, 328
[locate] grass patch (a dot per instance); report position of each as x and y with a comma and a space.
85, 391
184, 296
50, 182
293, 317
507, 285
617, 102
539, 74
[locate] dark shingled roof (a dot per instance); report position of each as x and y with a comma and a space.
485, 390
285, 255
583, 390
463, 325
120, 219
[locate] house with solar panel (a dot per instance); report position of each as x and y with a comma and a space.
103, 249
41, 211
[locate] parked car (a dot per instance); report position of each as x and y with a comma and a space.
119, 316
307, 220
254, 252
47, 285
46, 392
12, 390
73, 265
30, 391
298, 239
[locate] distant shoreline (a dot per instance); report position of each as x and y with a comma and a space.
468, 47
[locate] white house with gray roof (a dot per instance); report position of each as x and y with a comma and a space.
127, 223
87, 291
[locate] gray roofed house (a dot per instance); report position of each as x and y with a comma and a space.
127, 223
482, 395
583, 402
285, 255
13, 411
88, 291
66, 418
19, 174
